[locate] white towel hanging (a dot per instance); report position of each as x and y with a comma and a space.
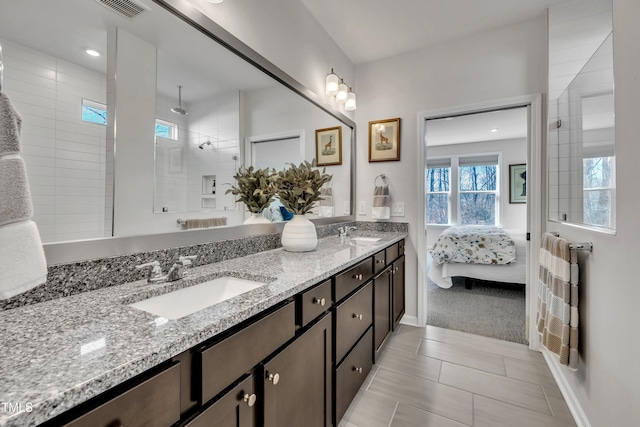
381, 198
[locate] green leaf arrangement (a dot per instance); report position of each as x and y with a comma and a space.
299, 186
256, 188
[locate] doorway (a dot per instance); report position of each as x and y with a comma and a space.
486, 143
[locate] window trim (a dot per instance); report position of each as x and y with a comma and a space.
173, 129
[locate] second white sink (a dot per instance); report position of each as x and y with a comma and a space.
180, 303
365, 239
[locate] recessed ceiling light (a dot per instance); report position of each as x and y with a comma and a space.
494, 130
215, 1
92, 52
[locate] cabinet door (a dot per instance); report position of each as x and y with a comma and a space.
298, 381
382, 320
236, 408
398, 291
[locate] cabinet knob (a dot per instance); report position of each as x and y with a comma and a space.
357, 316
395, 269
357, 276
320, 301
274, 378
358, 370
250, 399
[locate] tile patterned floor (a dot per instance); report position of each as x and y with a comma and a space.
434, 377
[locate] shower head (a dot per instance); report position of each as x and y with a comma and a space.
201, 146
179, 109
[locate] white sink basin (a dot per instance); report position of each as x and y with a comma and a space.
183, 302
365, 239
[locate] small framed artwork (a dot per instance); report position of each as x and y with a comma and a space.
329, 146
384, 140
518, 183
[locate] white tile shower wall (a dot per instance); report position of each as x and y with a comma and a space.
65, 156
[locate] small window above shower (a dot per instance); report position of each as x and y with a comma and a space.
166, 130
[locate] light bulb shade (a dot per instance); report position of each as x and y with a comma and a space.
331, 84
341, 96
350, 105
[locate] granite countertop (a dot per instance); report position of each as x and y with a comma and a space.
60, 353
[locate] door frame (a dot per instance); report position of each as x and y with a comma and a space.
535, 212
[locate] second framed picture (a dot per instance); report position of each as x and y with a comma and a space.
384, 140
518, 183
329, 146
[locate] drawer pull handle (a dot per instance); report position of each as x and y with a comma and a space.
321, 302
379, 261
358, 370
357, 276
395, 269
357, 316
274, 378
250, 399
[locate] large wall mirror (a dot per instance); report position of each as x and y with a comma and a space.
121, 146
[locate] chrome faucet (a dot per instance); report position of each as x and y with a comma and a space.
155, 272
180, 269
344, 231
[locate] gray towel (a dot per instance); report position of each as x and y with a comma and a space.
381, 202
15, 197
327, 196
10, 126
205, 223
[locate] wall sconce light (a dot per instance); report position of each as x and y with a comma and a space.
335, 86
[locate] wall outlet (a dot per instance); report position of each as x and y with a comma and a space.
347, 208
362, 207
397, 209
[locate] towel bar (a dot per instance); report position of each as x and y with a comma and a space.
585, 246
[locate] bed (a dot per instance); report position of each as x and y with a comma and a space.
463, 251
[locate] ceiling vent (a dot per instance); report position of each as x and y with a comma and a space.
127, 8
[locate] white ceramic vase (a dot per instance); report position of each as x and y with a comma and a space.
256, 218
299, 235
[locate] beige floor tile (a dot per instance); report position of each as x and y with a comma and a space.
508, 390
532, 372
558, 405
462, 356
370, 410
404, 341
346, 424
492, 413
440, 399
410, 363
408, 416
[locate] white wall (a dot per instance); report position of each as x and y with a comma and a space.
513, 216
504, 63
64, 156
607, 383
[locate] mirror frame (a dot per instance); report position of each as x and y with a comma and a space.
82, 250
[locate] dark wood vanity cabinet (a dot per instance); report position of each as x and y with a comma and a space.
235, 408
398, 291
297, 381
297, 364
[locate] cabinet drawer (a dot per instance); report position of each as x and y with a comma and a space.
353, 317
228, 360
155, 402
401, 247
313, 302
349, 280
351, 374
392, 252
379, 261
235, 408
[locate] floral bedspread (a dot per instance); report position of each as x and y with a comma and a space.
475, 244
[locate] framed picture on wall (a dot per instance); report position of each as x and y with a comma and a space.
384, 140
518, 183
329, 146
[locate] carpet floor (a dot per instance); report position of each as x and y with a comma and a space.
489, 309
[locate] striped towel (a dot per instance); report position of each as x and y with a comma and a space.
557, 316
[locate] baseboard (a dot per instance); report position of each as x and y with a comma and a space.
567, 392
409, 320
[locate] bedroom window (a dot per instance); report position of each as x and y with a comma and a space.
475, 198
438, 191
